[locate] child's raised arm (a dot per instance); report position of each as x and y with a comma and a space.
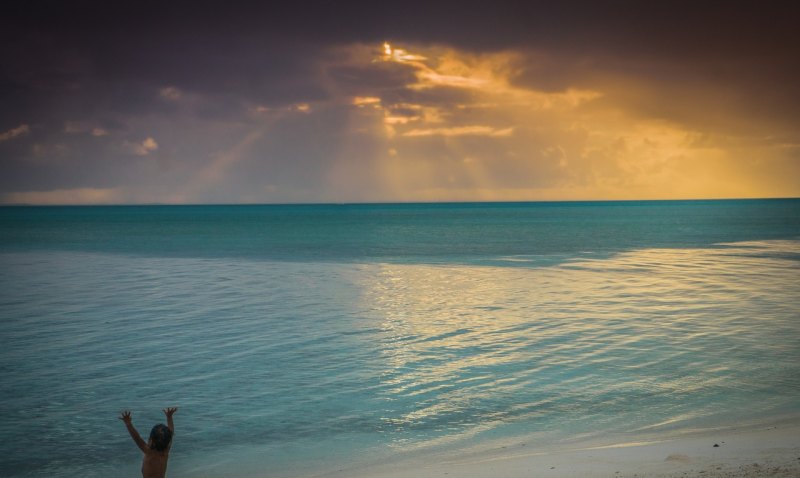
126, 418
169, 412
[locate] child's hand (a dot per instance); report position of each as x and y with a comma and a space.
169, 411
125, 416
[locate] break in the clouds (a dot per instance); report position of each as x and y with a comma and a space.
138, 103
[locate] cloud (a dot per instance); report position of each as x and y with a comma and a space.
15, 132
574, 141
170, 93
392, 120
461, 131
147, 146
81, 127
366, 101
443, 70
457, 104
65, 196
399, 54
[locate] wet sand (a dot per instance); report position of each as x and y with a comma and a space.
767, 451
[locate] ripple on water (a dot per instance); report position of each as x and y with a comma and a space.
286, 359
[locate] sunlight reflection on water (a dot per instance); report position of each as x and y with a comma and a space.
678, 332
286, 365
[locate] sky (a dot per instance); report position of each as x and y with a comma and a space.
307, 102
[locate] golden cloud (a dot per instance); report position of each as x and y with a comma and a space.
461, 131
575, 143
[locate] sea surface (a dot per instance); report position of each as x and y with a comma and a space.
297, 340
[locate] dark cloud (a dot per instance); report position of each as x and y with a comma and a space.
268, 52
200, 77
192, 31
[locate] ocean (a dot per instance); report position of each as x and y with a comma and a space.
297, 340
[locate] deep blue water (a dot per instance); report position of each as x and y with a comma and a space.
293, 336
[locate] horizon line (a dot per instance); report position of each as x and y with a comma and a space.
377, 203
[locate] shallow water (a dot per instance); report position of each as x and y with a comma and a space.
292, 366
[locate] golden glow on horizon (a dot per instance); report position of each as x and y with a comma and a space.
433, 123
504, 141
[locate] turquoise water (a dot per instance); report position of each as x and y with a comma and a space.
301, 338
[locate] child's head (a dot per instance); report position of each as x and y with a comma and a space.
160, 437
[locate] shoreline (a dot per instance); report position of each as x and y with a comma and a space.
767, 450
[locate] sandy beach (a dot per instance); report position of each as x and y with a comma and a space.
772, 450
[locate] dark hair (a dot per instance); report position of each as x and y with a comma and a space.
160, 437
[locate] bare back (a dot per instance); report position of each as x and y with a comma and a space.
154, 464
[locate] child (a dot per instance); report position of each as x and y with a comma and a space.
156, 450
